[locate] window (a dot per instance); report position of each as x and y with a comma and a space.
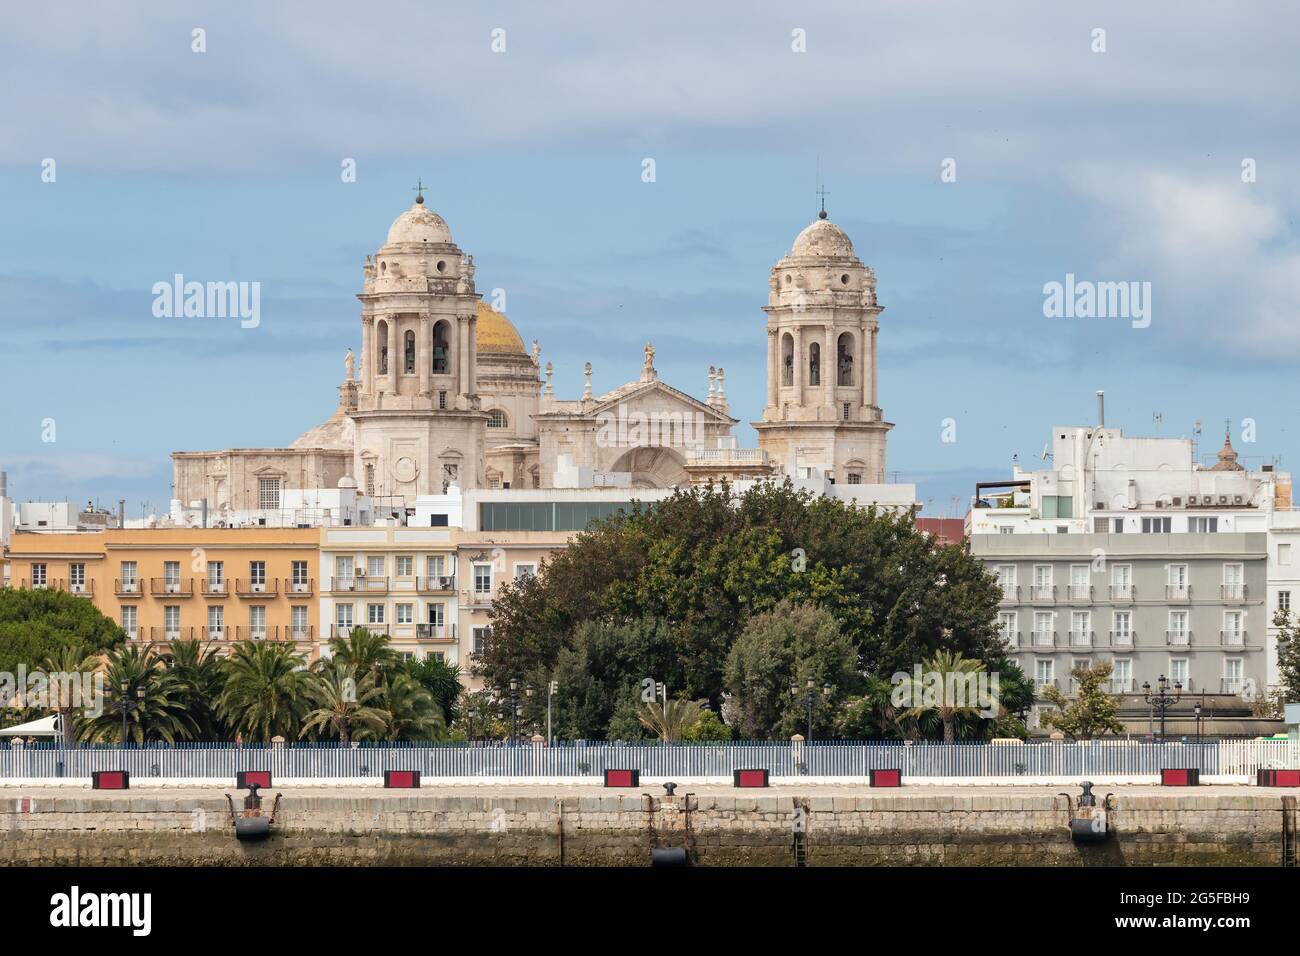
257, 573
1202, 525
855, 478
525, 571
268, 493
172, 575
436, 613
482, 579
1178, 672
257, 622
39, 577
481, 634
409, 352
216, 621
1122, 627
375, 566
1042, 582
216, 575
298, 575
1284, 555
128, 575
1057, 506
844, 413
442, 399
1178, 577
1117, 526
1044, 672
370, 480
1007, 627
1234, 582
1121, 676
343, 571
343, 619
1156, 525
298, 621
1080, 628
172, 621
496, 418
374, 614
1234, 675
1121, 582
1100, 525
1178, 633
1043, 623
1007, 580
1284, 600
1234, 634
1006, 529
1080, 589
433, 565
405, 613
402, 565
77, 576
129, 619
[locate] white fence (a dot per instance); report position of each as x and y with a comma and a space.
591, 759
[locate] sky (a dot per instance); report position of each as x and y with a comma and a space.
1160, 150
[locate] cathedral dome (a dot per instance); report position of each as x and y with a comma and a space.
419, 224
336, 433
496, 333
824, 239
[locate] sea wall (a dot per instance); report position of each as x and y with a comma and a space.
424, 827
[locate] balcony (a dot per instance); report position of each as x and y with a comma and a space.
84, 588
126, 588
1233, 638
1121, 592
1232, 592
1080, 592
1044, 638
1011, 637
1178, 638
1232, 685
214, 633
1042, 592
1178, 592
301, 634
1081, 638
168, 634
304, 588
1122, 638
436, 585
133, 633
435, 632
171, 587
214, 589
476, 598
1121, 686
257, 589
345, 630
251, 633
360, 582
1042, 683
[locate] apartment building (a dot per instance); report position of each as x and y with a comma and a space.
167, 584
393, 580
1130, 550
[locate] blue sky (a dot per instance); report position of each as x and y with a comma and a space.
225, 165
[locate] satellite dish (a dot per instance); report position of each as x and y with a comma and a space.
1046, 452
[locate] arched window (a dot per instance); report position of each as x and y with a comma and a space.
814, 364
787, 360
497, 418
844, 362
441, 352
381, 334
410, 352
370, 480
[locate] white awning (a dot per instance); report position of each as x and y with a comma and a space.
45, 727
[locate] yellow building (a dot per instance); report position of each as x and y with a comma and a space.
166, 584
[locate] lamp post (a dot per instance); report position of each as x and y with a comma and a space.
514, 709
139, 697
123, 687
1161, 701
469, 723
809, 698
529, 691
1197, 711
551, 690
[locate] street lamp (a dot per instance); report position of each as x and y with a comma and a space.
514, 709
1161, 701
1197, 711
551, 690
124, 686
809, 699
529, 691
469, 723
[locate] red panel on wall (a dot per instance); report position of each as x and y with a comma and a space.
751, 778
886, 778
110, 780
260, 777
402, 779
622, 778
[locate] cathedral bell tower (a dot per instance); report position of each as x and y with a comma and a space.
419, 423
822, 410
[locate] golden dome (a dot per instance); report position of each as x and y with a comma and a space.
496, 334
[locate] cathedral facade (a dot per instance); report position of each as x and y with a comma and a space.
445, 395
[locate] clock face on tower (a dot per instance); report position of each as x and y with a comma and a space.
406, 469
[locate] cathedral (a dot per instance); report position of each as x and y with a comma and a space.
445, 394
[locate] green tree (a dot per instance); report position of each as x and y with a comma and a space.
263, 695
670, 721
154, 699
784, 647
364, 651
68, 659
440, 679
707, 727
1092, 712
943, 689
410, 711
1288, 655
35, 624
343, 703
201, 675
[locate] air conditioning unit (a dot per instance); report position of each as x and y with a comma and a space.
1159, 503
1099, 506
1178, 502
361, 572
1238, 499
259, 588
1223, 499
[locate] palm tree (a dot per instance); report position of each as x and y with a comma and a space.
440, 679
154, 699
412, 711
199, 669
344, 704
264, 684
69, 659
363, 651
937, 690
670, 721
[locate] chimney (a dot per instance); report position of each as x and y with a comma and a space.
1101, 409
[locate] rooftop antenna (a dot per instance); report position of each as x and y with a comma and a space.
1157, 418
1196, 436
821, 189
1047, 452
